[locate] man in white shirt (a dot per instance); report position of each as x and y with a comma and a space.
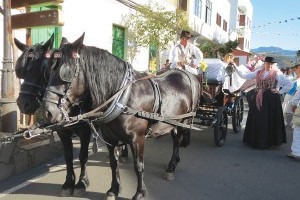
294, 107
186, 55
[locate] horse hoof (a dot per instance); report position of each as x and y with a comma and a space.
169, 176
139, 196
79, 192
80, 187
65, 192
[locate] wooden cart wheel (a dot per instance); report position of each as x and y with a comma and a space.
220, 127
237, 114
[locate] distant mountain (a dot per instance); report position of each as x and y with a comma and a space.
275, 50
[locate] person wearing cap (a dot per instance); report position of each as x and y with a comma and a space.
294, 103
265, 123
186, 55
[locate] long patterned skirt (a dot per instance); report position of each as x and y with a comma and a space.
265, 127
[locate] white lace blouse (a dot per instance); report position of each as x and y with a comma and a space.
284, 84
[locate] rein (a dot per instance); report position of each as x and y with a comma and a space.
130, 111
172, 120
95, 113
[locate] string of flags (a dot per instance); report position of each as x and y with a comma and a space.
272, 33
278, 22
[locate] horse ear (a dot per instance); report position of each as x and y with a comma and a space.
20, 45
49, 44
78, 43
63, 41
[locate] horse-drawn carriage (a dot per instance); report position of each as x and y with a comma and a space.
91, 86
217, 103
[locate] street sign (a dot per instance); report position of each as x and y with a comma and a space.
38, 19
25, 3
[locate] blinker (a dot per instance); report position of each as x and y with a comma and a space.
65, 73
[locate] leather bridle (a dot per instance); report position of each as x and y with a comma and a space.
38, 89
64, 102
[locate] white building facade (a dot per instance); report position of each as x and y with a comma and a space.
103, 24
241, 22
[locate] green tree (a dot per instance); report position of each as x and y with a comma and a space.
211, 49
153, 25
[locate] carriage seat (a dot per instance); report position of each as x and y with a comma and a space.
214, 66
211, 82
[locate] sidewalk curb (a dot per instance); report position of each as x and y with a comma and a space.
24, 154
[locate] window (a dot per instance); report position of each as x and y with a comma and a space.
219, 20
249, 23
224, 25
183, 5
242, 20
241, 43
39, 35
197, 8
208, 8
118, 44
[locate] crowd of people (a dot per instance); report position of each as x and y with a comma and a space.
268, 117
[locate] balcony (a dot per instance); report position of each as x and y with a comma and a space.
245, 6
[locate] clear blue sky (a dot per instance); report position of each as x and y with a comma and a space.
267, 14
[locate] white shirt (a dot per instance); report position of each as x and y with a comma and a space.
283, 82
234, 82
296, 97
184, 54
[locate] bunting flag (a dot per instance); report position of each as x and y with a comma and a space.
272, 33
278, 22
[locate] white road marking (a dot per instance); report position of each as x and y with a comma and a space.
28, 182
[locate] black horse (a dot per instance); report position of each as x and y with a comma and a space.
32, 67
132, 106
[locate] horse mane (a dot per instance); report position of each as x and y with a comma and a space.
103, 71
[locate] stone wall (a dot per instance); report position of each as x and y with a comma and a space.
21, 155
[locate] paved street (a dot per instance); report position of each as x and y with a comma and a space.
206, 172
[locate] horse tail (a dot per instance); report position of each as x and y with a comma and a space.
186, 138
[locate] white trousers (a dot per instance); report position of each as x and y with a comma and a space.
286, 105
286, 108
296, 141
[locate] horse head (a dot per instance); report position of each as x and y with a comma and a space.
32, 67
66, 86
81, 75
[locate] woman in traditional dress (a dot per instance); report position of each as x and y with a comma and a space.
265, 123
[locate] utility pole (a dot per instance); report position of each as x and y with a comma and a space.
8, 106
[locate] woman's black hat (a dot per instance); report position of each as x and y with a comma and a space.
269, 59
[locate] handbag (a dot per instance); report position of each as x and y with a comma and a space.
296, 117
